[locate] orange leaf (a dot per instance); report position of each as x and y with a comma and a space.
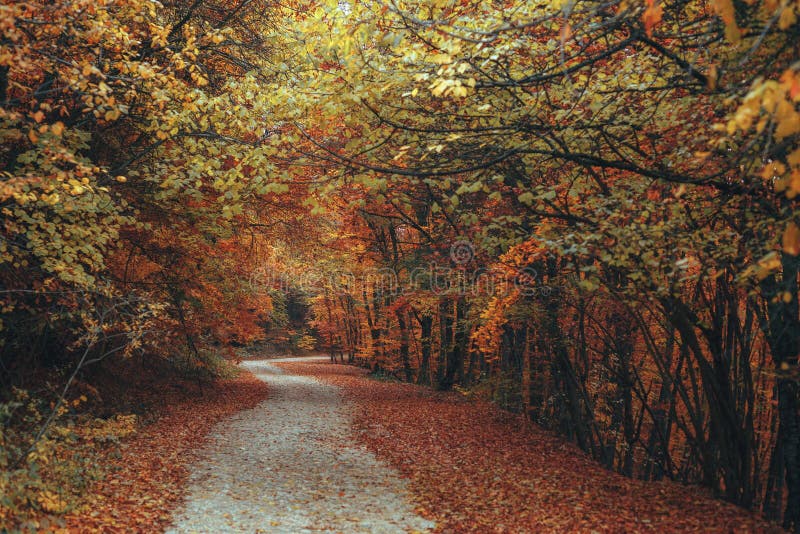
652, 16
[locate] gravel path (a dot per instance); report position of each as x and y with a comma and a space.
289, 466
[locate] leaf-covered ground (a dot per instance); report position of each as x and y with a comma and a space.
289, 466
147, 473
475, 468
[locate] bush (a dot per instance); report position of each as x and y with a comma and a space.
205, 365
49, 475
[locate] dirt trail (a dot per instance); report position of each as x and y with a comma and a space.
289, 466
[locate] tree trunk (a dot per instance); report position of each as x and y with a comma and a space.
454, 344
444, 373
426, 325
404, 357
783, 336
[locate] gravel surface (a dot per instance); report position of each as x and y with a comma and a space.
289, 465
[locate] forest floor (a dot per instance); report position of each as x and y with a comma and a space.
475, 468
305, 445
146, 473
289, 465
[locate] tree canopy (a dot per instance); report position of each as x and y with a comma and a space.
586, 211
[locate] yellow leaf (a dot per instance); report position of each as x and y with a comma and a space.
794, 158
57, 128
725, 10
773, 170
712, 77
441, 59
787, 119
791, 239
768, 265
787, 18
51, 502
794, 184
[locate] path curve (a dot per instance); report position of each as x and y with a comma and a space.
289, 466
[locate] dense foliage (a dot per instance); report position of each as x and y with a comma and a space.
584, 210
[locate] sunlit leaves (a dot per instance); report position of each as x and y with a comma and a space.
652, 15
791, 239
726, 11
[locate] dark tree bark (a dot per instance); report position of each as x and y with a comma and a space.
783, 336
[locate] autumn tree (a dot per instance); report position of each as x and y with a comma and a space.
615, 156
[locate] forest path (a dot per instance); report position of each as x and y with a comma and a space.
289, 465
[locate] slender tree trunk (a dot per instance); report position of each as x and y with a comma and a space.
426, 326
374, 329
783, 335
526, 375
404, 357
658, 441
773, 495
3, 84
454, 356
443, 370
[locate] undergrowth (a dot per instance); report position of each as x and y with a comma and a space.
46, 469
